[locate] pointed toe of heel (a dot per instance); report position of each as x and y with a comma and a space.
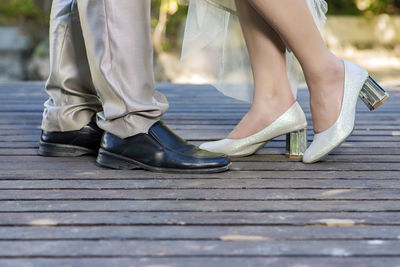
204, 146
307, 158
232, 148
215, 146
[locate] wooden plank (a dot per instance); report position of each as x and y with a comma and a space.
100, 173
31, 145
177, 99
272, 144
199, 218
117, 248
212, 135
18, 151
17, 120
378, 118
192, 232
267, 154
339, 154
24, 130
321, 166
203, 205
212, 183
186, 103
380, 130
368, 261
229, 110
334, 157
36, 163
206, 194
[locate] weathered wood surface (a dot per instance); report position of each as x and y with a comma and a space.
344, 211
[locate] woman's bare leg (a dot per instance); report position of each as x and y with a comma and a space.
324, 72
272, 93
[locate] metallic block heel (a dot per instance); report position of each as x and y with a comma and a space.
372, 94
296, 144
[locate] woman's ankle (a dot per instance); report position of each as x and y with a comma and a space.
326, 95
260, 116
328, 71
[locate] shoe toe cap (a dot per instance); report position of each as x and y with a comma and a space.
223, 146
307, 158
212, 158
222, 161
315, 152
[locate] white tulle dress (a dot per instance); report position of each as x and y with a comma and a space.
214, 37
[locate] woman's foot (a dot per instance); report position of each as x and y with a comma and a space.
260, 115
326, 95
356, 81
291, 121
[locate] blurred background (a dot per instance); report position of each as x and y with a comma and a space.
365, 31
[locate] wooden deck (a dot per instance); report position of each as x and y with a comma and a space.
344, 211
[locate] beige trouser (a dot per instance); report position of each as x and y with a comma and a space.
102, 62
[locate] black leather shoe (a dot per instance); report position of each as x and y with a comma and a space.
160, 150
72, 143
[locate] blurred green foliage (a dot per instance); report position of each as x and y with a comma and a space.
363, 7
175, 18
167, 20
17, 12
33, 15
14, 12
29, 15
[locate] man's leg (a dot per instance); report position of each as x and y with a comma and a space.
67, 129
73, 100
120, 52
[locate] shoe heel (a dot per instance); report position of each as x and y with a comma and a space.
60, 150
372, 94
296, 144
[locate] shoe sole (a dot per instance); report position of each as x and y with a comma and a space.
115, 161
61, 150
